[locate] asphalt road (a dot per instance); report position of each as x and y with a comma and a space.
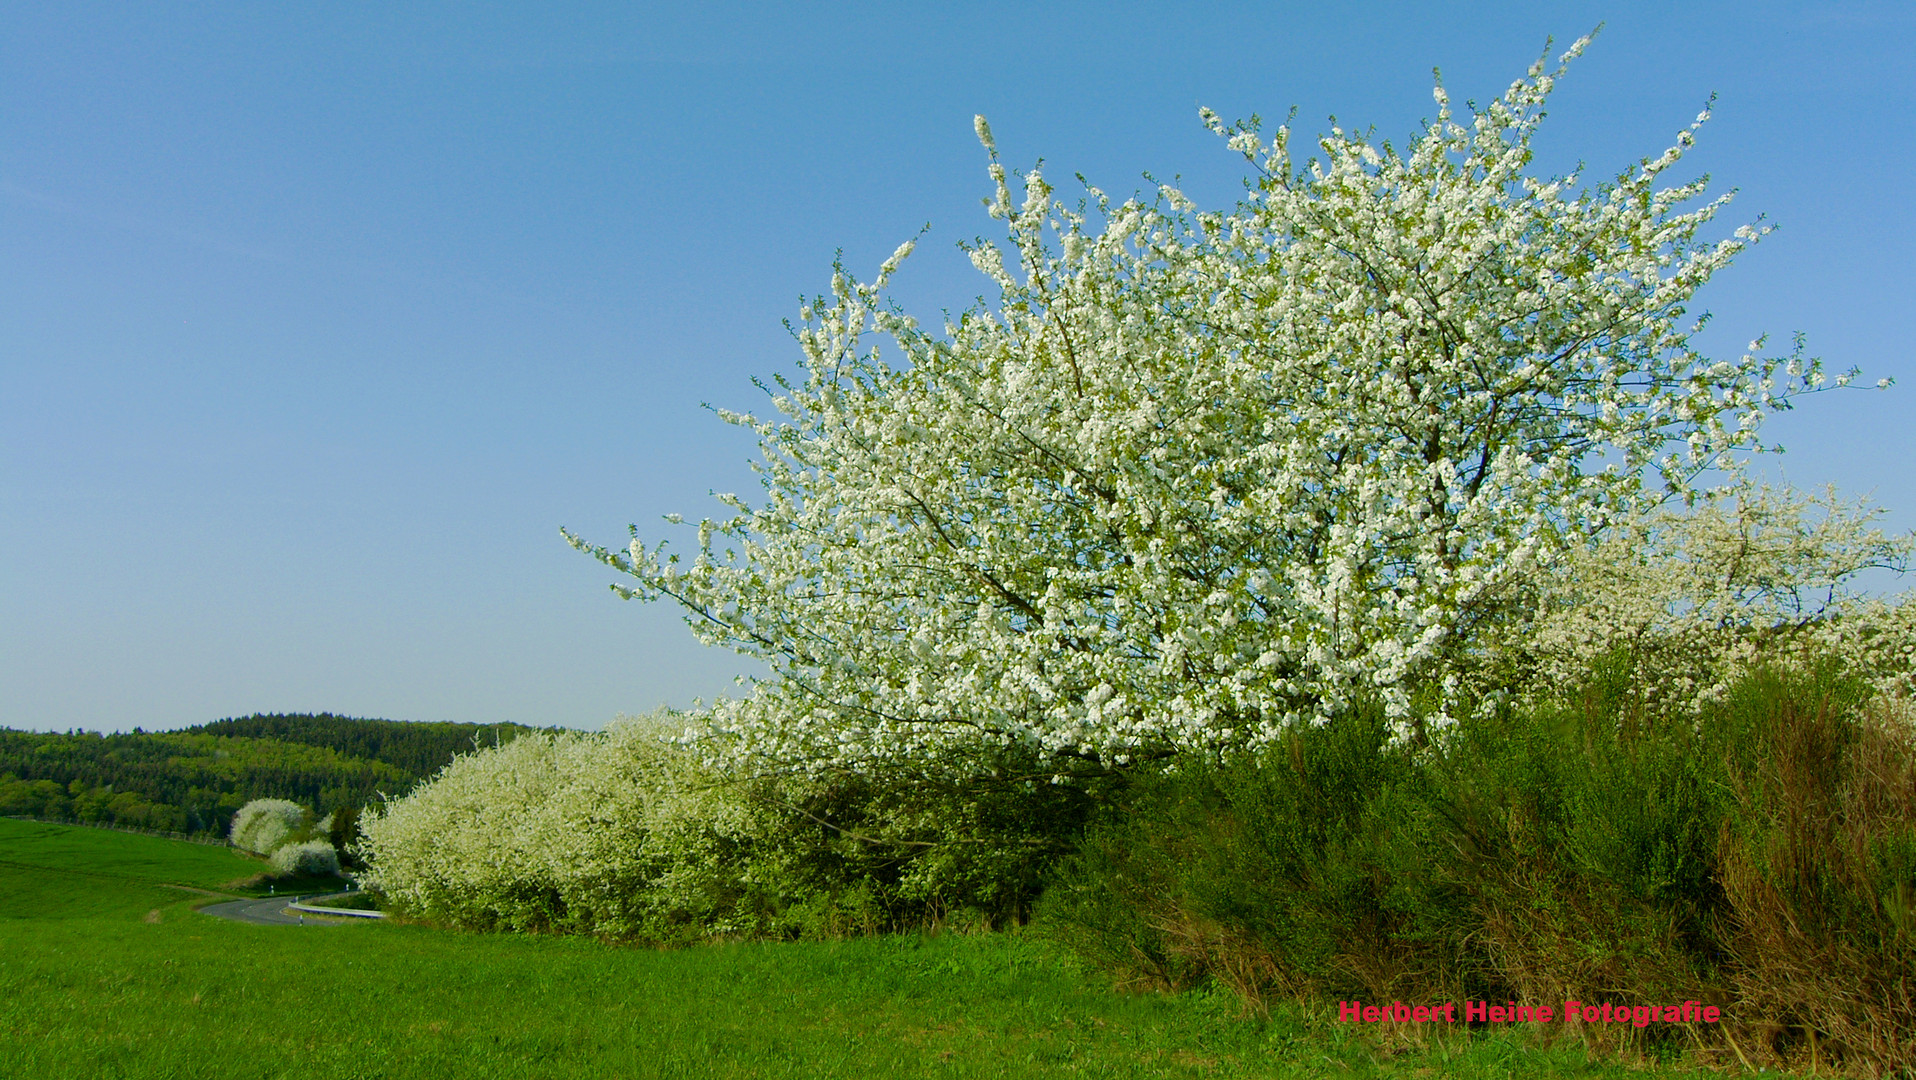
268, 912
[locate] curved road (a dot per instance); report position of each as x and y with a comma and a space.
270, 911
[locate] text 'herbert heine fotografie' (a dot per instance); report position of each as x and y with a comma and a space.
1513, 1013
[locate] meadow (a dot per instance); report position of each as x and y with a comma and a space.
108, 971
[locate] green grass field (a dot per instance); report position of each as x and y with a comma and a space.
65, 871
105, 972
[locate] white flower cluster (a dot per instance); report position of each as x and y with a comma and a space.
596, 833
315, 857
1690, 600
1197, 476
263, 826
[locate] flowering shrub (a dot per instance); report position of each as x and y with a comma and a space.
313, 857
264, 825
1198, 476
627, 834
571, 831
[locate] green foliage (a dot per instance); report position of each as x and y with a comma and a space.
342, 829
863, 853
349, 901
193, 781
76, 800
1263, 872
414, 748
1762, 858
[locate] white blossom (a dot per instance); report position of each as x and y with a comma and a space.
601, 830
263, 826
314, 857
1195, 477
1690, 599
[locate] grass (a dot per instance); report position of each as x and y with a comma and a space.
64, 871
55, 871
105, 973
357, 901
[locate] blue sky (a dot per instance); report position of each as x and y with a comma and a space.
315, 326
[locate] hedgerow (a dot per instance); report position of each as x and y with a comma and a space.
628, 834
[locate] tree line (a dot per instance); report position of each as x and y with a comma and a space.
193, 781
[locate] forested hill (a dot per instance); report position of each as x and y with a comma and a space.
416, 749
192, 781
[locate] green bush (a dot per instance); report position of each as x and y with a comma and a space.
1267, 873
1762, 858
342, 831
867, 853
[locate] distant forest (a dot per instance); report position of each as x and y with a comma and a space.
192, 781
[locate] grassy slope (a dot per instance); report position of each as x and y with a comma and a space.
98, 990
52, 871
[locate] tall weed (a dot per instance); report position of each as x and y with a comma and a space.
1819, 866
1761, 857
1266, 873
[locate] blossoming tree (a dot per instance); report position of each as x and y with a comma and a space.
1196, 476
1689, 601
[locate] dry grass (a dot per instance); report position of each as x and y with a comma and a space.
1824, 963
